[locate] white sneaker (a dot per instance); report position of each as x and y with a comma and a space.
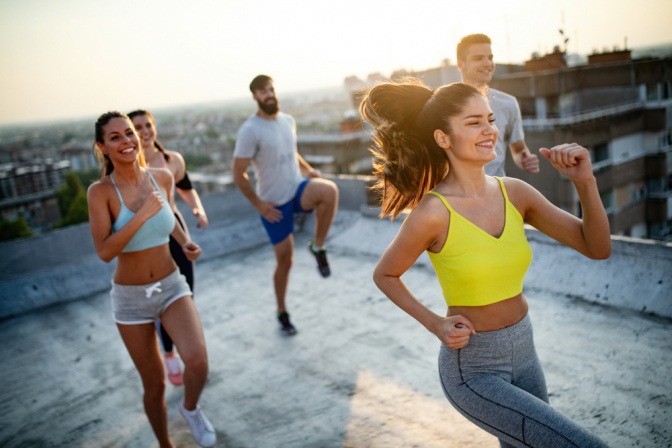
201, 428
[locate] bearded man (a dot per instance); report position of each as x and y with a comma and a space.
285, 184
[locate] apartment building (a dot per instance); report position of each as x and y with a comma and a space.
29, 189
618, 107
621, 109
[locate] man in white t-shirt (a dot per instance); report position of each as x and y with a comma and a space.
476, 64
285, 184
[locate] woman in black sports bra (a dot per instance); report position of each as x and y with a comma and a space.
158, 157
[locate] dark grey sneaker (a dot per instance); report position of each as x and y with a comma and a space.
286, 326
321, 258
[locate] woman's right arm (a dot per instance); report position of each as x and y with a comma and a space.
418, 232
242, 181
108, 245
588, 235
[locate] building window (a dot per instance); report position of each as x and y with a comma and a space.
600, 152
656, 185
528, 107
637, 192
607, 200
652, 93
553, 106
661, 230
665, 140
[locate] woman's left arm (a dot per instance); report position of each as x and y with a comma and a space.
190, 196
590, 235
191, 249
188, 193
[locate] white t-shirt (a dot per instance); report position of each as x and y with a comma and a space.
510, 125
271, 144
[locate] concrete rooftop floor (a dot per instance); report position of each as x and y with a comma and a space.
360, 372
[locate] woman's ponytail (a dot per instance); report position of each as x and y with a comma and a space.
406, 163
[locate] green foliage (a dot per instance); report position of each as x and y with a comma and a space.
194, 161
72, 201
67, 136
212, 133
88, 177
68, 192
16, 228
77, 212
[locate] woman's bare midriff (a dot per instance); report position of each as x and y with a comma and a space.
144, 267
493, 317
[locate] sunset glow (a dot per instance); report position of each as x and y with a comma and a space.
76, 58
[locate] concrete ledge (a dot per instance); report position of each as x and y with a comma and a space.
637, 276
62, 265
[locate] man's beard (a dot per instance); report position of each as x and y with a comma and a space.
270, 108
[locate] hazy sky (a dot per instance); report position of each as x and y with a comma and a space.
62, 59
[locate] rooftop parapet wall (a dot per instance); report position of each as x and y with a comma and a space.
637, 276
62, 266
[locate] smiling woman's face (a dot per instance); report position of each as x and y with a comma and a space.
146, 130
473, 134
120, 140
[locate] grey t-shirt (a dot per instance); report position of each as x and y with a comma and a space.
510, 125
271, 144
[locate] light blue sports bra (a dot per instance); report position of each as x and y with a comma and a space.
154, 232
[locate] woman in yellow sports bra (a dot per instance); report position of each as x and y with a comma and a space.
131, 220
430, 149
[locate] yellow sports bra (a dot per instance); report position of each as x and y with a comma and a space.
474, 268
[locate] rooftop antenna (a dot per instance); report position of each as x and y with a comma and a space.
565, 38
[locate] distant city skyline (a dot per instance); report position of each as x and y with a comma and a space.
76, 58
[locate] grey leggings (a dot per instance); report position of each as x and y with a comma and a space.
497, 383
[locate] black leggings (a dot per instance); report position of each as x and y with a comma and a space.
186, 268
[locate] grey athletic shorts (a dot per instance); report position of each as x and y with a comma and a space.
143, 304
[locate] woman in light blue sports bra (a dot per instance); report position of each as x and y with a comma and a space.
431, 147
131, 220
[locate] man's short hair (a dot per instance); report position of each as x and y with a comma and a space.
471, 39
259, 82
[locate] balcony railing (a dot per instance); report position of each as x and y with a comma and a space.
545, 124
